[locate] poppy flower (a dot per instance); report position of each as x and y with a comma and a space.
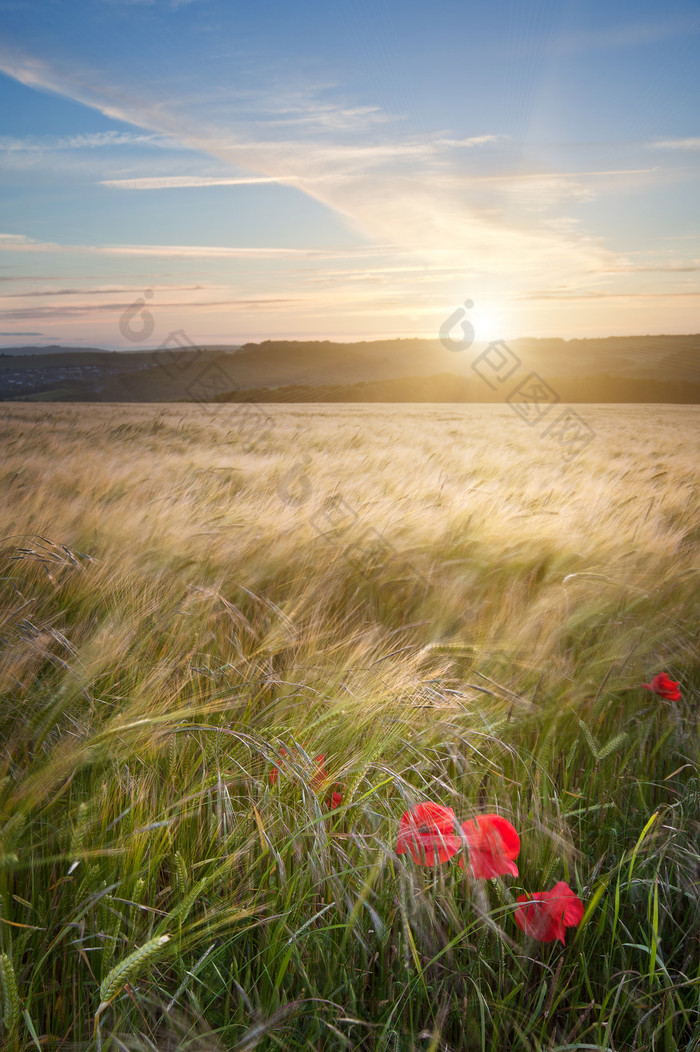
320, 779
545, 914
428, 832
320, 775
274, 773
493, 844
665, 687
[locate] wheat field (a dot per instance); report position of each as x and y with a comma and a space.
438, 602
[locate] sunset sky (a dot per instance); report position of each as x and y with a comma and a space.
348, 170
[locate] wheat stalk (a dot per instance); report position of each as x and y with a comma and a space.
10, 994
128, 969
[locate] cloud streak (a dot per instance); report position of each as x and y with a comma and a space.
86, 310
92, 141
675, 144
180, 182
100, 291
21, 243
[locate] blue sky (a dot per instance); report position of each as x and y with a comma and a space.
348, 170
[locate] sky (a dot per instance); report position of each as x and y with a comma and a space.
347, 169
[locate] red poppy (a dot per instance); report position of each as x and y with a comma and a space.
428, 832
320, 775
493, 844
665, 687
545, 914
274, 773
320, 779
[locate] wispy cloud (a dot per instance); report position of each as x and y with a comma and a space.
94, 140
85, 310
103, 291
518, 176
178, 182
423, 199
656, 268
594, 294
539, 191
628, 34
475, 140
326, 117
21, 243
675, 144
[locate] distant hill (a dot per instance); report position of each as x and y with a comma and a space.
644, 357
616, 369
446, 387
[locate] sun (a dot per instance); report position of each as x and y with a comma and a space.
490, 323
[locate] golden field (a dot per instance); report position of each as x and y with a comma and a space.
432, 597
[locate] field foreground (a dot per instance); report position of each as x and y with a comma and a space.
199, 601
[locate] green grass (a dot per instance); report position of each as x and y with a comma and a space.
168, 624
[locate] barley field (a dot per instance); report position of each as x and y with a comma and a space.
238, 645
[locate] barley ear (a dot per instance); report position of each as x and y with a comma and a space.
10, 995
181, 875
128, 969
